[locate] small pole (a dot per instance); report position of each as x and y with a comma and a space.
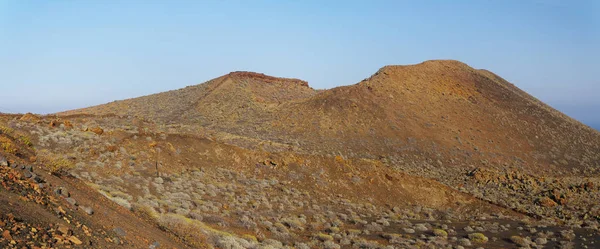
156, 163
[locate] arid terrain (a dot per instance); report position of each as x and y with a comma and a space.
432, 155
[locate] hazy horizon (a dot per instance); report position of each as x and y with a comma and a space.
56, 56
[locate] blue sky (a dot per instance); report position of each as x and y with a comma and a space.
58, 55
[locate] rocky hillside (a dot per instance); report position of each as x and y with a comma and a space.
435, 144
443, 108
224, 99
42, 208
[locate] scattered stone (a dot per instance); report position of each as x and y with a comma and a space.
37, 179
64, 230
87, 210
3, 161
117, 241
6, 235
60, 211
71, 201
154, 245
27, 174
464, 242
409, 230
421, 227
62, 191
120, 232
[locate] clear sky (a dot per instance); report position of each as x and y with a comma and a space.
59, 55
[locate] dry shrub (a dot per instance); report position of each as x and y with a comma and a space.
187, 229
250, 237
56, 164
171, 147
120, 201
8, 146
6, 130
145, 211
25, 140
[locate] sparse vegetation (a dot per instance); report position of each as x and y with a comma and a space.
145, 211
55, 164
324, 237
359, 178
7, 145
25, 140
440, 233
189, 230
6, 130
478, 237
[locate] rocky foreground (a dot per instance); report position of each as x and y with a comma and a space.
274, 202
43, 210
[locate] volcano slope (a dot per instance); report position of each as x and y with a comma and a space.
43, 210
436, 154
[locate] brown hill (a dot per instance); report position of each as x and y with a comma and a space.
444, 109
429, 136
448, 108
223, 99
